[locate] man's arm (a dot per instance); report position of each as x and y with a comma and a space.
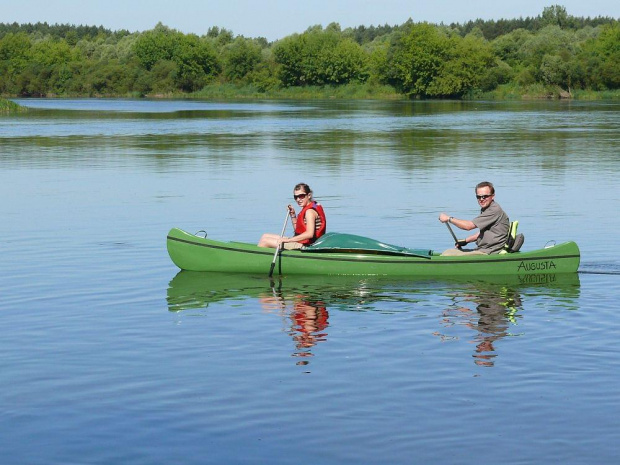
465, 225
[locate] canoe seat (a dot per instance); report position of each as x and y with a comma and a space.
515, 241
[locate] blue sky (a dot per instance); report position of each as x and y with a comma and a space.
275, 19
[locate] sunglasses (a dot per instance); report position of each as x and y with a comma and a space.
300, 196
483, 197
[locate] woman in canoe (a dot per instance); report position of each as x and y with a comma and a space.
309, 225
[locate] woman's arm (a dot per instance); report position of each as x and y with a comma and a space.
311, 216
293, 215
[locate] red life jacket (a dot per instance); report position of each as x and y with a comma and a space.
321, 222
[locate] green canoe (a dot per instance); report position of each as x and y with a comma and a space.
363, 257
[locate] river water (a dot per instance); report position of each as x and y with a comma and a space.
111, 355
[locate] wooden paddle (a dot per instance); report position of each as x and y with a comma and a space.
275, 255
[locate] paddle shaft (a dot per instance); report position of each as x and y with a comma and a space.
451, 232
275, 255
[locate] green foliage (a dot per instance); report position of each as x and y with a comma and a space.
364, 35
219, 36
600, 59
52, 52
264, 76
351, 91
470, 60
495, 76
155, 45
288, 54
417, 59
320, 57
7, 106
15, 47
378, 64
555, 15
553, 69
343, 64
195, 59
428, 62
525, 76
549, 40
161, 79
509, 47
197, 63
553, 54
59, 31
240, 58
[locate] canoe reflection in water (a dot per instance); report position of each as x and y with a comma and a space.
301, 301
489, 307
308, 317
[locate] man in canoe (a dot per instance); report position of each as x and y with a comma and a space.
493, 225
309, 225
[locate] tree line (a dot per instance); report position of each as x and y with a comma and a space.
417, 59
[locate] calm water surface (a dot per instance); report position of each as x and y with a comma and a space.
111, 355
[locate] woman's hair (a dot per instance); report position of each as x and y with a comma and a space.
485, 184
303, 186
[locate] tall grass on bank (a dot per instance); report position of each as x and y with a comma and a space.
597, 95
543, 92
7, 106
373, 91
353, 91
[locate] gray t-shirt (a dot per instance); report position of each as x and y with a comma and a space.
493, 224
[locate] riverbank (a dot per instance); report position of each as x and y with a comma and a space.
366, 91
541, 92
354, 91
7, 106
357, 91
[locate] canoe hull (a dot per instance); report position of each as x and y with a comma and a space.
193, 253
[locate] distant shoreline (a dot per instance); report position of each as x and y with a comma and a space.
347, 92
551, 56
